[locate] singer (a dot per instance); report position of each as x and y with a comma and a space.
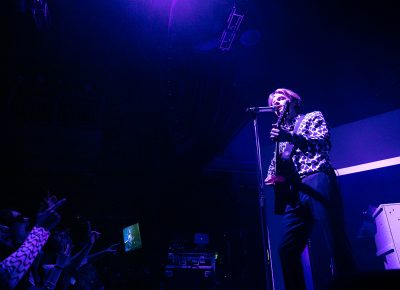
306, 188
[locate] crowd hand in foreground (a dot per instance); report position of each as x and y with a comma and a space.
47, 217
15, 266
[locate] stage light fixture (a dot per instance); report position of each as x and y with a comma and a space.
228, 35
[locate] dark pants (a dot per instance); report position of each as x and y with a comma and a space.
317, 199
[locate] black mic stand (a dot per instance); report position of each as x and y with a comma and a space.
264, 228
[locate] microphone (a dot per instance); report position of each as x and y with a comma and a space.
271, 109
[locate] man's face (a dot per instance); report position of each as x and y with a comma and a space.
279, 101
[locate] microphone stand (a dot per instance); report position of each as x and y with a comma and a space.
264, 228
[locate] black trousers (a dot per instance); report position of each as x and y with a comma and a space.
317, 199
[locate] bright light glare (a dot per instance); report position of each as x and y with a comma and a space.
369, 166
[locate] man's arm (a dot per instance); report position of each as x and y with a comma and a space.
95, 256
18, 263
78, 259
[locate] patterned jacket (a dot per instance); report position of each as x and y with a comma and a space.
311, 146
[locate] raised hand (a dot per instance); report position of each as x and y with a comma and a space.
50, 200
47, 216
65, 242
113, 249
281, 135
93, 236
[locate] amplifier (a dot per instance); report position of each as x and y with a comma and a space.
387, 237
188, 260
190, 270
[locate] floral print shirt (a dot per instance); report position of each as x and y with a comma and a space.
311, 146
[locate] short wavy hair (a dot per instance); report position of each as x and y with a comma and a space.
293, 97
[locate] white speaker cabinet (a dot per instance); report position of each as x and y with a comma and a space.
387, 236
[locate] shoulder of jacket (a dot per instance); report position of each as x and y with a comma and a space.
313, 115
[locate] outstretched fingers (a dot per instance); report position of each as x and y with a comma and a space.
56, 205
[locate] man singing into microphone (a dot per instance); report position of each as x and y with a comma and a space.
306, 189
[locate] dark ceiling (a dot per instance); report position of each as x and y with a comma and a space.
127, 100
